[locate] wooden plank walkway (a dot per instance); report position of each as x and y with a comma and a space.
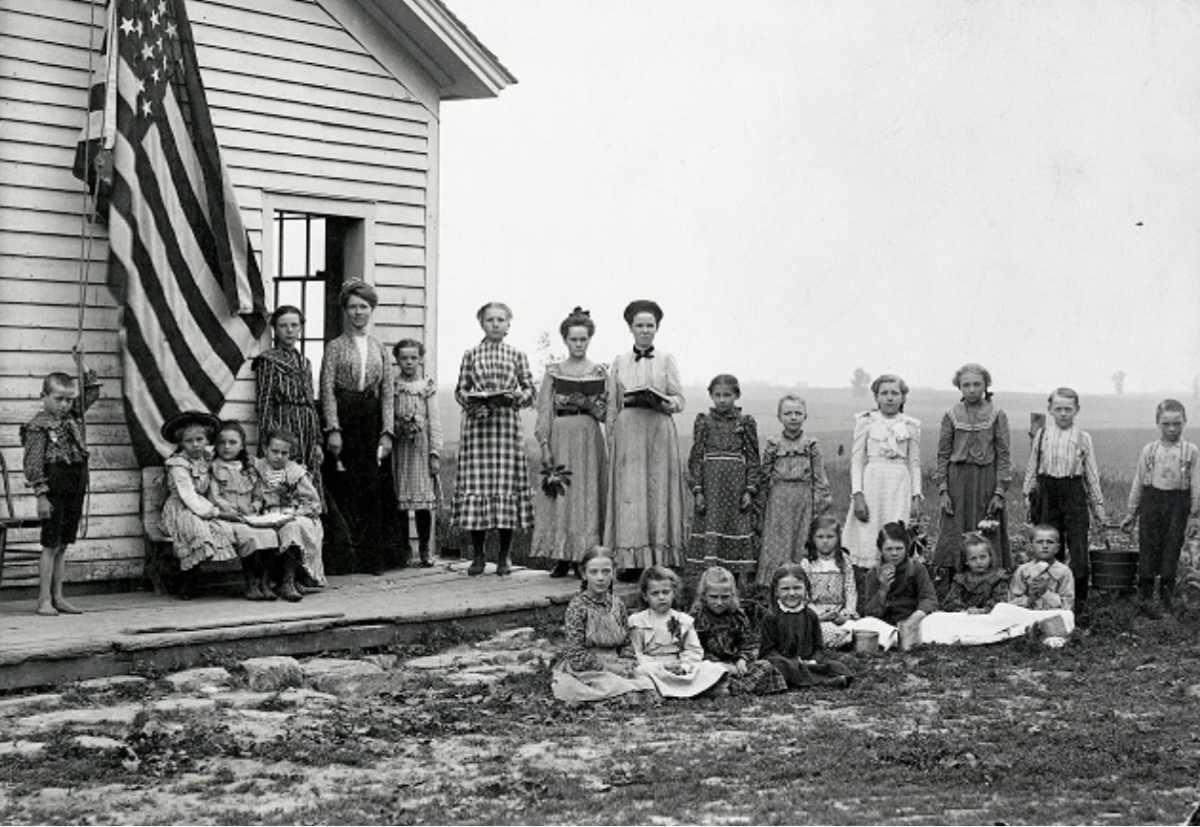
120, 633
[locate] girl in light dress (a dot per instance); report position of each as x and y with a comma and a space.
665, 641
288, 489
199, 528
885, 474
834, 593
723, 471
417, 446
729, 639
644, 517
573, 401
236, 487
794, 489
597, 660
492, 486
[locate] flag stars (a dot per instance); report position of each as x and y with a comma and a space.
153, 20
147, 108
171, 30
126, 25
148, 51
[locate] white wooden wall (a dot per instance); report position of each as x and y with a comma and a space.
300, 106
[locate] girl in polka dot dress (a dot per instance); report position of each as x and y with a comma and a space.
723, 471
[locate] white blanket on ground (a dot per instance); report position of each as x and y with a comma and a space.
1004, 622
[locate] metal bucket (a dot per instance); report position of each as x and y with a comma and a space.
1114, 570
866, 641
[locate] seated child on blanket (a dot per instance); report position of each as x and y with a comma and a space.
665, 641
727, 637
597, 660
791, 635
900, 591
1043, 582
980, 583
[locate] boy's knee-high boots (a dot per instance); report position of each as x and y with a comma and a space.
287, 589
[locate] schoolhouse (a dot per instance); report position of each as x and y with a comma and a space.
327, 114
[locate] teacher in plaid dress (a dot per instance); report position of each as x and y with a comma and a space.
492, 486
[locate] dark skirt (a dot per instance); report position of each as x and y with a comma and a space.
362, 523
305, 425
971, 489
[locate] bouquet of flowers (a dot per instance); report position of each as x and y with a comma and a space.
988, 525
409, 425
555, 479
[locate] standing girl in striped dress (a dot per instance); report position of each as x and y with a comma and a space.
417, 451
285, 398
492, 487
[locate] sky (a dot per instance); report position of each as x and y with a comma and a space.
807, 188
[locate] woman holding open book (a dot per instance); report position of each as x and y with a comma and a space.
492, 487
571, 405
644, 515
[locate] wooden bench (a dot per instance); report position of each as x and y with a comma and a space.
161, 564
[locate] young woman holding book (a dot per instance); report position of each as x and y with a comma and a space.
569, 510
644, 517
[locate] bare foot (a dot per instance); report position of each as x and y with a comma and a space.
66, 608
44, 608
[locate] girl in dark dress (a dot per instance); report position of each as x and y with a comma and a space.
791, 635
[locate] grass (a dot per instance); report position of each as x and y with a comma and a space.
1012, 733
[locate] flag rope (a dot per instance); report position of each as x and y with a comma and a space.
86, 241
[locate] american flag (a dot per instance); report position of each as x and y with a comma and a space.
180, 262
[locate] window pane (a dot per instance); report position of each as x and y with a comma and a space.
314, 350
293, 247
315, 312
288, 292
317, 244
277, 229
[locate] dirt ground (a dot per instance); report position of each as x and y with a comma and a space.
465, 731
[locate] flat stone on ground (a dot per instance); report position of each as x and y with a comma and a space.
111, 682
119, 714
98, 742
240, 698
19, 704
21, 747
272, 673
340, 677
194, 680
184, 704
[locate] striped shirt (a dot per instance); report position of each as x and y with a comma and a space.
1064, 453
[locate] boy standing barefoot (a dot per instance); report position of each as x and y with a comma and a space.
56, 468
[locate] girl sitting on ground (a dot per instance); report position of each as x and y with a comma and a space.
980, 583
900, 592
236, 487
288, 489
597, 660
665, 641
728, 638
834, 594
791, 635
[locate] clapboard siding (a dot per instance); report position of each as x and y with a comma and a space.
299, 107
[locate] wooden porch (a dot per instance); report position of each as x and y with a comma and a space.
128, 632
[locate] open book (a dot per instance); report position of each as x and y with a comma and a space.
492, 399
568, 385
650, 398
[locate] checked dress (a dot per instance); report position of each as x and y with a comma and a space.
492, 487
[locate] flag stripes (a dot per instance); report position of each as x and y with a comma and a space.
180, 259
